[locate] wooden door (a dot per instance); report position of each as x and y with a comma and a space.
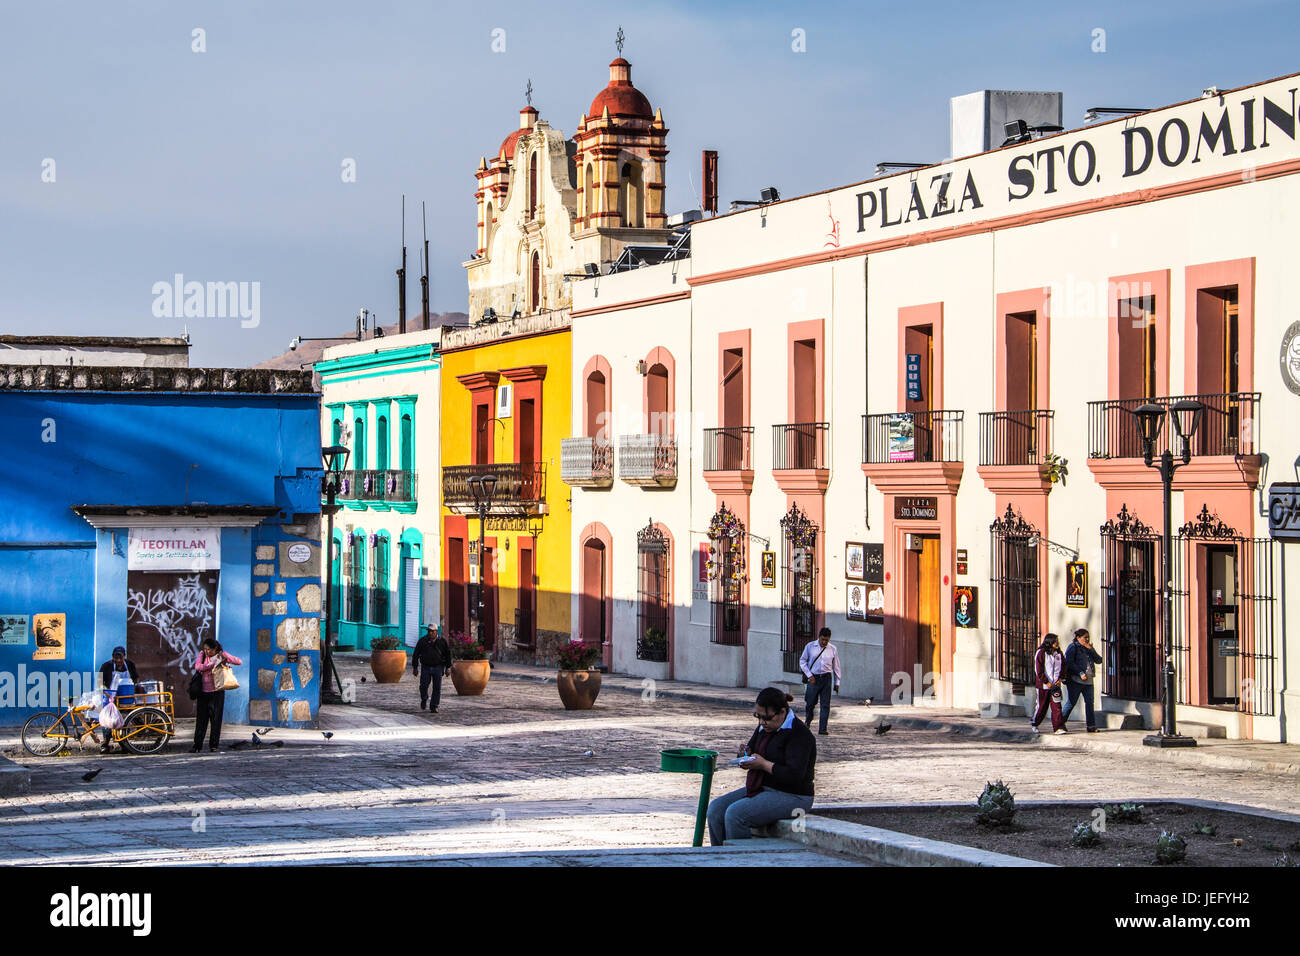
169, 614
525, 624
456, 589
488, 577
929, 614
592, 619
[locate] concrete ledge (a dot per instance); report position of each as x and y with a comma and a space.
14, 779
886, 846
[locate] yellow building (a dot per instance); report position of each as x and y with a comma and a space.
506, 404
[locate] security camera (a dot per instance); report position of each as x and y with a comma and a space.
293, 343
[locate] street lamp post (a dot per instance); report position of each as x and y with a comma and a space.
336, 459
1186, 414
482, 486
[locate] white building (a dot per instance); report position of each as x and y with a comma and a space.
902, 370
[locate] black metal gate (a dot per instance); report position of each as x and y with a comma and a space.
1015, 597
1258, 584
799, 590
1131, 646
652, 594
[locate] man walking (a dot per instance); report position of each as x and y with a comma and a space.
1080, 676
430, 660
820, 663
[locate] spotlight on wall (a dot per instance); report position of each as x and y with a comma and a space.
769, 194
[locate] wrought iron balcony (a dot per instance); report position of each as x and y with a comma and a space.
1228, 428
1016, 438
520, 488
378, 485
728, 449
586, 462
648, 460
926, 436
801, 445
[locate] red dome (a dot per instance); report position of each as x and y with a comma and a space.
507, 150
622, 98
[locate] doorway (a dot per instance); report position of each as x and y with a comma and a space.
168, 616
1220, 632
592, 612
922, 580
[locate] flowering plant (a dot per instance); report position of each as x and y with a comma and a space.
465, 648
577, 655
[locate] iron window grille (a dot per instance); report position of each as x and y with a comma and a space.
1131, 646
652, 594
379, 590
799, 590
727, 537
1016, 587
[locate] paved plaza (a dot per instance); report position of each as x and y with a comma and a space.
511, 777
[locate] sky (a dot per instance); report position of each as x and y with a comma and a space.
128, 155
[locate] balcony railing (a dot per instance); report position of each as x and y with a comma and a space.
648, 459
520, 487
1228, 426
1016, 438
801, 445
586, 462
392, 485
913, 436
728, 449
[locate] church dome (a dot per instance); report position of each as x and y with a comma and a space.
527, 119
620, 96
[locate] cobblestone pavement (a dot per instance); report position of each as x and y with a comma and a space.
512, 772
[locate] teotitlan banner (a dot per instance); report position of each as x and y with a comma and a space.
174, 549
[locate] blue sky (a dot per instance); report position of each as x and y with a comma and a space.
225, 165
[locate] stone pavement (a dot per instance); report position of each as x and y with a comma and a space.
512, 772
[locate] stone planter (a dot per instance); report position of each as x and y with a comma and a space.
470, 677
388, 666
578, 689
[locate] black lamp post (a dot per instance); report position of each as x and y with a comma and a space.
1186, 414
482, 486
336, 459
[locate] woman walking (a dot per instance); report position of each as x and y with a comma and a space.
1049, 671
211, 701
780, 758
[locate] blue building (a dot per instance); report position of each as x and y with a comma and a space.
153, 507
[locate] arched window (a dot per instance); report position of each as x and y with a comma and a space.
359, 444
356, 610
656, 401
408, 444
487, 226
532, 187
535, 284
379, 603
630, 196
589, 195
381, 443
596, 425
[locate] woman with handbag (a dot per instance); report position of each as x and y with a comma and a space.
213, 667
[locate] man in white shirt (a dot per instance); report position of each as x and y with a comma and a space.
820, 663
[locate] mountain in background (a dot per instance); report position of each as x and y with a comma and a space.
309, 353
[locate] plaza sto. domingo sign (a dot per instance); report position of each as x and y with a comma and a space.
174, 549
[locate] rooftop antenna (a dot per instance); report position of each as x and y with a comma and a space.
424, 279
618, 41
401, 276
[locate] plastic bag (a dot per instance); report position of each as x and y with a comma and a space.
91, 698
110, 717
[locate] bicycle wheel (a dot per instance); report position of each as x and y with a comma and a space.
145, 731
45, 734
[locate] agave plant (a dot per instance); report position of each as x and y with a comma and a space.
1205, 829
996, 805
1286, 860
1124, 813
1170, 848
1085, 836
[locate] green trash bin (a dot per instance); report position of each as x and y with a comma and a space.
692, 760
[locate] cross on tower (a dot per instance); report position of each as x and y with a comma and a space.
618, 41
528, 92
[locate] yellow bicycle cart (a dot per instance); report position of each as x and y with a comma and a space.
149, 721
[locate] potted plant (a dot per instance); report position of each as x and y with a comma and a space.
653, 645
578, 682
387, 659
470, 669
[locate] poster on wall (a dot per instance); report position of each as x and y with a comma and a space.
50, 631
857, 601
855, 560
1076, 584
901, 435
13, 628
769, 569
875, 564
966, 606
876, 602
173, 549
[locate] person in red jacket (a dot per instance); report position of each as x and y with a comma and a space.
211, 702
1049, 672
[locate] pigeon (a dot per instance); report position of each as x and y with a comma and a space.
237, 744
263, 732
882, 729
867, 702
363, 680
90, 775
327, 734
589, 753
